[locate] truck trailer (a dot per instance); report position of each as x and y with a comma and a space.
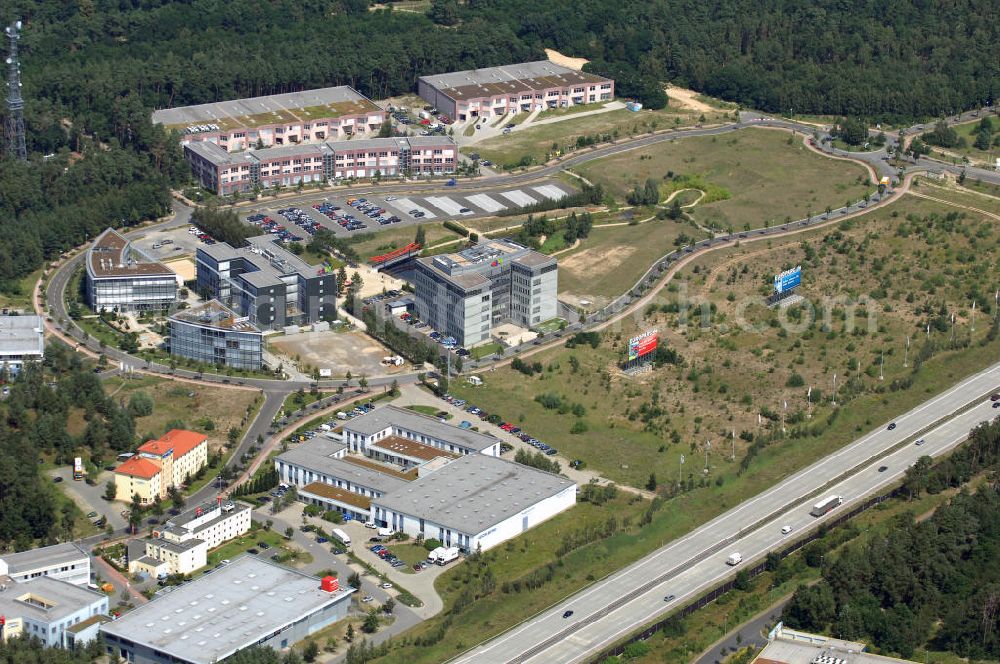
447, 555
343, 537
825, 505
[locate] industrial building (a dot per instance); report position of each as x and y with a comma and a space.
120, 277
466, 294
367, 434
212, 333
493, 92
266, 283
788, 646
65, 562
250, 601
223, 172
475, 502
46, 608
157, 465
324, 460
182, 545
281, 119
22, 339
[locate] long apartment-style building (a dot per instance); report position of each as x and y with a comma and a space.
266, 283
225, 172
466, 294
493, 92
120, 277
281, 119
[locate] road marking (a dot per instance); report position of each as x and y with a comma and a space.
551, 192
486, 203
518, 198
405, 205
444, 203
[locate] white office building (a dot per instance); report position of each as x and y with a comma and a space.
66, 562
22, 339
362, 432
45, 608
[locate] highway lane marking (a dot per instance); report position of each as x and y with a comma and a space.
753, 502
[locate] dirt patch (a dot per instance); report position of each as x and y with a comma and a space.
684, 98
565, 60
183, 268
596, 263
339, 352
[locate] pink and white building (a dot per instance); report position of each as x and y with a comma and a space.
224, 173
311, 116
496, 91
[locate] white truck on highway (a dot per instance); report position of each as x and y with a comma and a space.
344, 538
825, 505
734, 559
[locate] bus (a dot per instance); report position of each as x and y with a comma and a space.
825, 505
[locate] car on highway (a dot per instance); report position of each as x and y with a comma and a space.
669, 598
882, 469
567, 613
995, 397
786, 529
920, 441
892, 425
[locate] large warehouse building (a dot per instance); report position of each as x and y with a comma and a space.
266, 283
475, 502
224, 172
493, 92
247, 602
464, 295
119, 277
282, 119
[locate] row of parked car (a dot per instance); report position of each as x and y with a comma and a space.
386, 555
271, 226
298, 217
506, 426
373, 211
201, 235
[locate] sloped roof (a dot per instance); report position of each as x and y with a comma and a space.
181, 441
138, 466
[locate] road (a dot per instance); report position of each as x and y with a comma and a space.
609, 610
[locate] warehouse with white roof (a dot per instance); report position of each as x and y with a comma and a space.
248, 602
474, 502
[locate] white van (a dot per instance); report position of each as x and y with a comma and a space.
734, 559
341, 415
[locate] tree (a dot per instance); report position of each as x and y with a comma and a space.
421, 236
389, 605
444, 12
354, 581
370, 625
852, 130
811, 608
140, 405
310, 652
983, 140
651, 483
349, 636
289, 531
110, 490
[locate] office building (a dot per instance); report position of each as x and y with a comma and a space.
788, 646
224, 172
119, 277
475, 502
281, 119
66, 562
22, 339
160, 464
493, 92
250, 601
324, 460
182, 545
46, 608
267, 284
466, 294
211, 333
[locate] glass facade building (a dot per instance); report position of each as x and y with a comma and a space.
212, 334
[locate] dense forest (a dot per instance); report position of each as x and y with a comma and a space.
933, 583
93, 70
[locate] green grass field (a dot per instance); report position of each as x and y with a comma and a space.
768, 177
383, 241
20, 297
537, 142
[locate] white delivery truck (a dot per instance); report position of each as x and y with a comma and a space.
342, 536
447, 555
432, 557
385, 532
734, 559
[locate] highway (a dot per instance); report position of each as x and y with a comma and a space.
610, 609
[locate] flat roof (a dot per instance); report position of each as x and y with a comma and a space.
386, 417
508, 79
237, 605
22, 335
378, 467
323, 490
475, 492
180, 527
215, 315
410, 448
112, 255
320, 455
305, 106
823, 650
76, 628
47, 556
51, 599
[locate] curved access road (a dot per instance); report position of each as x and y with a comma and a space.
610, 609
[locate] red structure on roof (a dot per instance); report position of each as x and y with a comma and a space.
411, 248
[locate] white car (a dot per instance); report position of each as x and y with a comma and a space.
367, 598
371, 524
920, 441
785, 530
386, 585
390, 198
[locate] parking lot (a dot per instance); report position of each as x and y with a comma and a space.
352, 214
164, 245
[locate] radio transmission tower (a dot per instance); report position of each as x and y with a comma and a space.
14, 122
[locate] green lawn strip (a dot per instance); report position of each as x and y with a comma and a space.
240, 545
404, 596
299, 400
768, 177
553, 243
383, 241
428, 410
409, 552
485, 349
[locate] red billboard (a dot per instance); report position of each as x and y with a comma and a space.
642, 345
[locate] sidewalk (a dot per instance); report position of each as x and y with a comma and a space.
118, 579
